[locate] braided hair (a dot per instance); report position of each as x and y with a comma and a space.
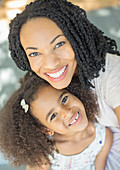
88, 42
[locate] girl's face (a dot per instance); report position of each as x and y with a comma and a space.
59, 111
50, 54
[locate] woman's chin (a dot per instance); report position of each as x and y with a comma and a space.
60, 85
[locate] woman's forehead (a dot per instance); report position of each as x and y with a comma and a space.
41, 22
39, 29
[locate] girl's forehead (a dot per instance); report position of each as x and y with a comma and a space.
49, 95
46, 99
50, 91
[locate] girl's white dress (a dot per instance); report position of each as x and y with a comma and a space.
107, 88
85, 159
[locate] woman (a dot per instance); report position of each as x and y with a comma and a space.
55, 40
83, 49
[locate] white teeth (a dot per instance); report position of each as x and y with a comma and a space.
58, 74
74, 119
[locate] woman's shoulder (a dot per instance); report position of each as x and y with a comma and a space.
112, 60
112, 65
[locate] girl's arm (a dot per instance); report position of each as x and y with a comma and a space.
101, 158
43, 167
117, 111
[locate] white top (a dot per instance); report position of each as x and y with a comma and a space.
85, 159
107, 88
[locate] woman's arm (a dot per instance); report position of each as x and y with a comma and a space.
117, 111
43, 167
101, 158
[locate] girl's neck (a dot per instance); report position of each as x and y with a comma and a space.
72, 145
75, 136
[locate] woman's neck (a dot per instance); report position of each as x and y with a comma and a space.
76, 71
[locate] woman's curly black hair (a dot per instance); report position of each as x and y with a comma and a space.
23, 139
88, 42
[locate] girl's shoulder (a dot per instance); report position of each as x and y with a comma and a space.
100, 131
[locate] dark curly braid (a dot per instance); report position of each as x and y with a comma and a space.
88, 42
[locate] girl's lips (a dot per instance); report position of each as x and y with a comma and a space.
61, 77
78, 119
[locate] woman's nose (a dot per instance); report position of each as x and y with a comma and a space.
51, 61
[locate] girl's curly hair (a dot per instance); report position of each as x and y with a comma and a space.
88, 42
22, 136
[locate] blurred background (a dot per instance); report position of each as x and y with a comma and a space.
105, 14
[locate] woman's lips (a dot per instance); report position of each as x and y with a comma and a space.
57, 75
76, 119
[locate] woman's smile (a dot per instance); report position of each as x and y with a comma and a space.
50, 54
58, 74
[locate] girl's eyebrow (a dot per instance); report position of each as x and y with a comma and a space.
51, 111
62, 95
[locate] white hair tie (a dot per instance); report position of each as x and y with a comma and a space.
24, 105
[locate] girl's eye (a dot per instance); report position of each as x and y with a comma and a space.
60, 44
64, 100
53, 116
34, 54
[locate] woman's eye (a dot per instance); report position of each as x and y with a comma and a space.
64, 100
60, 44
34, 54
53, 116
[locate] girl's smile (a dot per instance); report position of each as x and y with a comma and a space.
59, 111
49, 53
75, 120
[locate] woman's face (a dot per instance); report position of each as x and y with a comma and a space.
49, 52
59, 110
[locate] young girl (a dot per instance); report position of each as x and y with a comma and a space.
47, 128
54, 39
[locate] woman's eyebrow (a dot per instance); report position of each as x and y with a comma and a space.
56, 38
33, 48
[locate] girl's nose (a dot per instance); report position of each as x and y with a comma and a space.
51, 61
65, 114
